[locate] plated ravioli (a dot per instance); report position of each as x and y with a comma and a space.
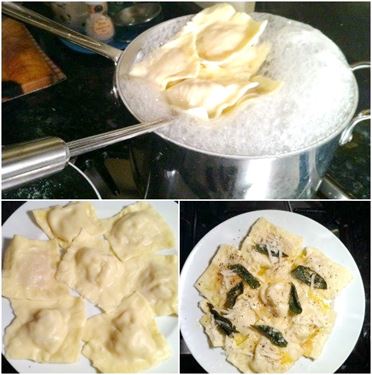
138, 229
127, 340
29, 269
269, 302
64, 223
92, 269
46, 331
82, 257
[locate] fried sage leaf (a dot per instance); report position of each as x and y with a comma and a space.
223, 324
273, 335
294, 302
245, 275
263, 250
305, 274
233, 294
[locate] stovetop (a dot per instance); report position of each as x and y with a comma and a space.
350, 221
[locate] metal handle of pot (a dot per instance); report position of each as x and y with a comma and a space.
35, 19
329, 188
25, 162
347, 134
30, 161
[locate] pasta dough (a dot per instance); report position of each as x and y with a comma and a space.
139, 229
46, 331
29, 269
65, 223
127, 340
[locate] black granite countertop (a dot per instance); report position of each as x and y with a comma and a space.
84, 105
198, 218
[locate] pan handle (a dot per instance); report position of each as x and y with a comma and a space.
347, 134
25, 162
35, 19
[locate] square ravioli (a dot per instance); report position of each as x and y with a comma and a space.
266, 242
138, 229
158, 283
64, 223
90, 267
335, 276
29, 269
222, 275
46, 331
127, 340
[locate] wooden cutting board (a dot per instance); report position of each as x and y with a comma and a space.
25, 67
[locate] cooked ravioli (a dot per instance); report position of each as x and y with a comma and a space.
240, 348
176, 60
64, 223
157, 282
210, 67
267, 326
270, 358
127, 340
336, 276
208, 98
218, 279
138, 229
90, 267
46, 331
245, 67
266, 243
219, 38
131, 290
29, 270
216, 338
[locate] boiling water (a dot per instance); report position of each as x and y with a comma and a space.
317, 99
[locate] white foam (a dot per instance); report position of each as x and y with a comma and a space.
317, 99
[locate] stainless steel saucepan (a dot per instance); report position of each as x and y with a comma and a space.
167, 169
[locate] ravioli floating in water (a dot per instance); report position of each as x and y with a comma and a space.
209, 68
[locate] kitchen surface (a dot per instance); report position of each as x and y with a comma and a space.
85, 104
198, 218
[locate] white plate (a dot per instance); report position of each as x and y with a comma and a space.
20, 222
349, 305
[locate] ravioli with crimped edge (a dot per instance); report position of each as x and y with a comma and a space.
269, 302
